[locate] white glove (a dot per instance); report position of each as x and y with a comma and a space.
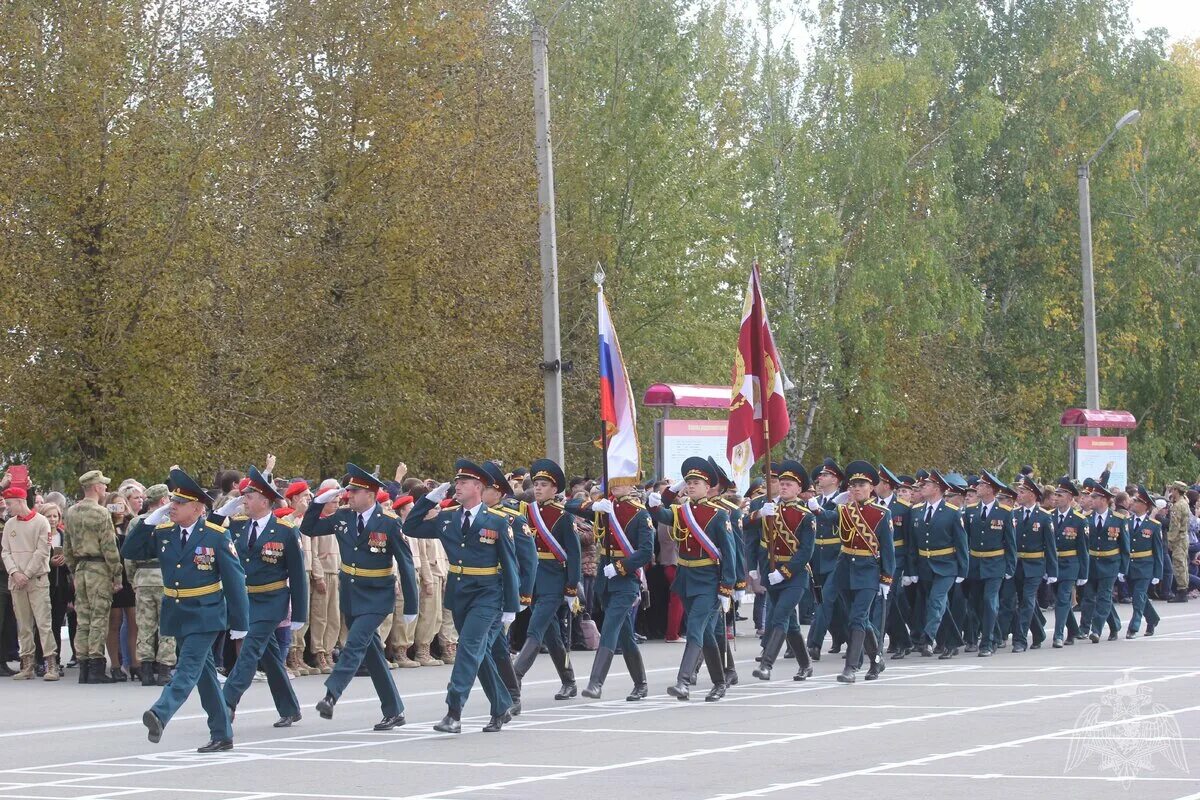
520, 608
235, 635
767, 510
295, 626
1154, 581
158, 515
1081, 582
1120, 576
602, 506
916, 579
439, 494
842, 498
726, 604
610, 571
410, 619
1008, 577
754, 574
739, 595
813, 505
678, 487
885, 589
775, 577
230, 508
1051, 580
570, 601
507, 617
959, 579
327, 496
654, 500
906, 581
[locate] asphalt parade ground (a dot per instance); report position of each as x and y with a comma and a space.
1108, 720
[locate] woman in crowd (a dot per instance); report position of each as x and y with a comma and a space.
123, 599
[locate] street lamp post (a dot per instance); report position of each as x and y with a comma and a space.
1085, 252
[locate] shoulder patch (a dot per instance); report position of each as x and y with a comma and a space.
1080, 515
904, 502
240, 517
160, 526
1004, 507
919, 505
952, 507
208, 523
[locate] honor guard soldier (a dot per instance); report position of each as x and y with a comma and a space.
899, 611
497, 494
625, 544
993, 559
724, 623
1037, 556
1145, 562
369, 540
866, 565
482, 585
204, 595
706, 575
559, 570
269, 548
1071, 541
1109, 561
783, 553
937, 553
759, 493
830, 480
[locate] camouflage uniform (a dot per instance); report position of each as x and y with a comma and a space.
147, 581
90, 547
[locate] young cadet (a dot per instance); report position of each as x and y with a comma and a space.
369, 541
1145, 562
270, 552
993, 559
783, 553
1071, 542
1109, 561
830, 615
204, 595
937, 553
1037, 556
723, 623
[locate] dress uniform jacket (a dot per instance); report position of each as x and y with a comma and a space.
1109, 546
901, 530
941, 542
699, 574
1071, 543
367, 583
1145, 549
555, 576
787, 542
204, 584
993, 541
639, 531
275, 573
1036, 550
828, 545
526, 546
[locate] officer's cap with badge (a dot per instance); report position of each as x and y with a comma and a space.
359, 478
993, 481
830, 467
890, 478
1027, 482
861, 471
939, 480
758, 486
1094, 487
546, 469
907, 481
724, 484
697, 467
1143, 495
257, 482
1066, 486
792, 470
957, 483
185, 489
495, 478
921, 475
467, 470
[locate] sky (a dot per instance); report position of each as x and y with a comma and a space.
1181, 18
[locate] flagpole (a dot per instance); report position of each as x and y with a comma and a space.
598, 277
762, 383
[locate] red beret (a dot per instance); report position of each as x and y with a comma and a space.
282, 512
382, 496
294, 488
243, 484
15, 493
402, 501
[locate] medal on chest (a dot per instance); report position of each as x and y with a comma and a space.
203, 558
272, 552
377, 541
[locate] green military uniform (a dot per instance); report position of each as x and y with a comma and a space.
155, 651
90, 548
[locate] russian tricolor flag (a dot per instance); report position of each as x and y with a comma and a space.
616, 405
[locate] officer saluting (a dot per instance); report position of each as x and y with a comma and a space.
269, 549
482, 585
783, 552
199, 563
369, 539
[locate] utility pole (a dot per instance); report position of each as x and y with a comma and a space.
551, 342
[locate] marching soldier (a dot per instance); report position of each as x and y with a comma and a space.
625, 539
865, 566
1109, 560
1037, 556
937, 555
559, 571
155, 649
888, 492
723, 623
497, 494
369, 541
1145, 562
198, 562
760, 493
483, 585
829, 479
783, 553
706, 571
90, 548
1071, 542
993, 559
269, 548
